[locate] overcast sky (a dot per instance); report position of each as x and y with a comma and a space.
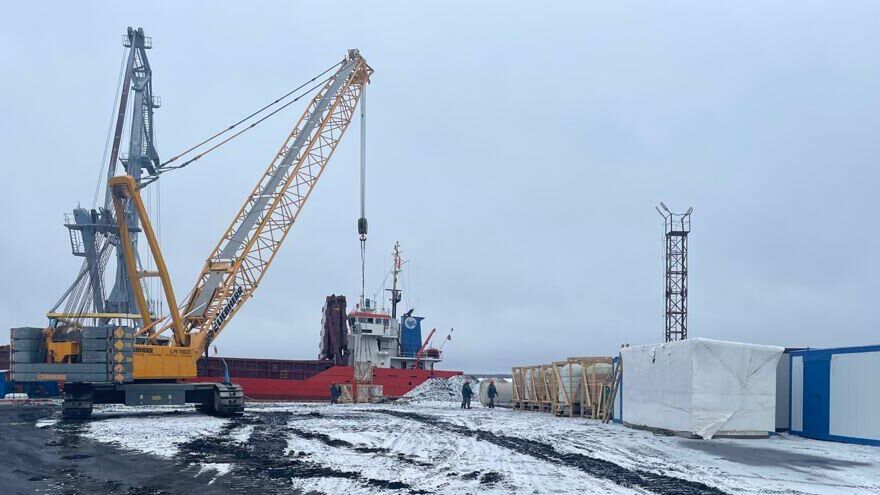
517, 154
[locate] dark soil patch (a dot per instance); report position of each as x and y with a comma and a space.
363, 449
263, 457
490, 478
74, 457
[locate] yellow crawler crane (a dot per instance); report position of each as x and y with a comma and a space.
138, 364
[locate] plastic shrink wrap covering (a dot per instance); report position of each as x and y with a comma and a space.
570, 382
528, 392
597, 373
701, 387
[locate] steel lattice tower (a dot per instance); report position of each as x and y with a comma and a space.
676, 227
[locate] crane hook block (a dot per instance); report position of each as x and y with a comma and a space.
362, 228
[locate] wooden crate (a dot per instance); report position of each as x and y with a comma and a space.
531, 388
593, 400
518, 393
564, 384
561, 388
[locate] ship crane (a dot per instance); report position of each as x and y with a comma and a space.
423, 348
134, 364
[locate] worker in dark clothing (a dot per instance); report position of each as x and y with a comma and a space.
466, 394
492, 392
335, 392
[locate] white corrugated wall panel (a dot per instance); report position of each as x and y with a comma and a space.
797, 393
854, 405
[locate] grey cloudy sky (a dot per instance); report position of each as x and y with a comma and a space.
516, 153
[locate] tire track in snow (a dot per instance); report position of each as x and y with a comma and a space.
455, 463
599, 468
339, 443
263, 460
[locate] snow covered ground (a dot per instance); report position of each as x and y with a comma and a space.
434, 447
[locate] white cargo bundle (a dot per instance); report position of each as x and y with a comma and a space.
569, 385
701, 387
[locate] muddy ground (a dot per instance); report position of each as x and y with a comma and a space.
400, 449
58, 459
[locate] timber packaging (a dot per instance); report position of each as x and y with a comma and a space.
576, 387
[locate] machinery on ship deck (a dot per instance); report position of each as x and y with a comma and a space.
118, 347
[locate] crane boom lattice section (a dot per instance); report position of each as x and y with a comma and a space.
241, 258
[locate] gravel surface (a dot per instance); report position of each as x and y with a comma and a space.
443, 390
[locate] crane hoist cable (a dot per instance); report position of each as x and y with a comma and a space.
362, 221
166, 166
109, 139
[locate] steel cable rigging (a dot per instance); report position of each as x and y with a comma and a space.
166, 166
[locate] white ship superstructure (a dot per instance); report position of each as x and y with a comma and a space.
375, 337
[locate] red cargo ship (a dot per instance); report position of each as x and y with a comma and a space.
276, 379
367, 347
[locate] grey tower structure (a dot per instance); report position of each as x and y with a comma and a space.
93, 232
676, 227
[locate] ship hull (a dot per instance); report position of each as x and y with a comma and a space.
310, 380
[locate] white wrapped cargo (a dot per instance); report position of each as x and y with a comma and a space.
569, 386
701, 387
504, 389
528, 389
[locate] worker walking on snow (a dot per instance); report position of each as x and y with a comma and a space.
466, 393
335, 392
492, 392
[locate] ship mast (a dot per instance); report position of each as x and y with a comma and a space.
395, 271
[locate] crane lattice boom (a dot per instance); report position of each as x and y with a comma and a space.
245, 251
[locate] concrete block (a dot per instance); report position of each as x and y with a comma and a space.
26, 345
27, 333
